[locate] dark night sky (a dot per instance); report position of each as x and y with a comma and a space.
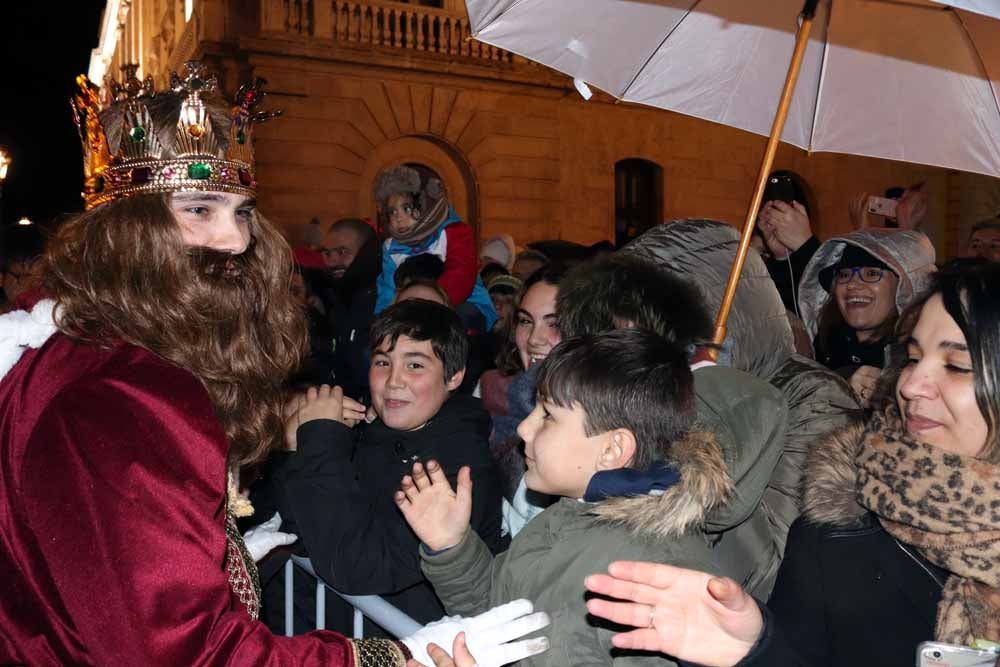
43, 46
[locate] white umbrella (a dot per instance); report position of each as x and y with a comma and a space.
910, 80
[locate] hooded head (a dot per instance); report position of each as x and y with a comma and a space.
500, 250
909, 255
412, 205
701, 252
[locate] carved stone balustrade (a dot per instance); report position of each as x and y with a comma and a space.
379, 24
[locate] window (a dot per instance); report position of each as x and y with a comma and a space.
638, 198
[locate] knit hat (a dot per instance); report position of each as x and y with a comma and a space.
499, 249
504, 281
852, 257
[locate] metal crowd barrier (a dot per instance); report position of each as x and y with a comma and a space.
372, 606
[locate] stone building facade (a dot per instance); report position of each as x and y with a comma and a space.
367, 84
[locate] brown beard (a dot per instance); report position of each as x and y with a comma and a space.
224, 268
122, 270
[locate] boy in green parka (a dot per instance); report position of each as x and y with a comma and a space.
612, 434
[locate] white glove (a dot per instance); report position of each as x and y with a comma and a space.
260, 540
487, 634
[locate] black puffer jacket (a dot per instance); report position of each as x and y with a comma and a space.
337, 496
848, 593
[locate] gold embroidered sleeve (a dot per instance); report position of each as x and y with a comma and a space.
379, 653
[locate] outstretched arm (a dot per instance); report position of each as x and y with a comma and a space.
688, 614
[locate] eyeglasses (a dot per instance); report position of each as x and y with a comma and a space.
868, 274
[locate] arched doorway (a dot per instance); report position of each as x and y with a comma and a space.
434, 156
638, 198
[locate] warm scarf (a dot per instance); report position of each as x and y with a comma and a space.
434, 208
945, 505
630, 482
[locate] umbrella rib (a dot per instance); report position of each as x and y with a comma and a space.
979, 59
499, 16
822, 75
657, 49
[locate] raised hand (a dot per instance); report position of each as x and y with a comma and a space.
911, 211
323, 402
863, 381
791, 224
354, 412
437, 514
858, 212
687, 614
291, 415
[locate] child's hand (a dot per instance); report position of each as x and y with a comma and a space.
291, 415
322, 402
438, 515
354, 412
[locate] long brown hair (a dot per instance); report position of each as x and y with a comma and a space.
122, 270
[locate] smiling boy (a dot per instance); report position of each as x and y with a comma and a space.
611, 433
338, 486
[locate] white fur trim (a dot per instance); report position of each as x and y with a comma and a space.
20, 330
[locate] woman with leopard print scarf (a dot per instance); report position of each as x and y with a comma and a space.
899, 542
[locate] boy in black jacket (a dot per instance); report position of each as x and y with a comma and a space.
338, 486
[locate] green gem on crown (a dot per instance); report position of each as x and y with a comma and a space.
137, 133
196, 83
241, 137
199, 171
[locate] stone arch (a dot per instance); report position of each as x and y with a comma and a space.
447, 161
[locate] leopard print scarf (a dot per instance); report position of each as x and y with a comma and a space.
948, 507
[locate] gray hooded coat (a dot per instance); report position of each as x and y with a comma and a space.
759, 342
909, 254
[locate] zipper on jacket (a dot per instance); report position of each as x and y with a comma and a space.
919, 562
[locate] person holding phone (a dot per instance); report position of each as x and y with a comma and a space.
898, 542
899, 209
784, 233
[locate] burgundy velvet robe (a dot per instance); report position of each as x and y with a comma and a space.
112, 511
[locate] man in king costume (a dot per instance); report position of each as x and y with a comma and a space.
144, 375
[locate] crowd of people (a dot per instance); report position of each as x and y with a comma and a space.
542, 445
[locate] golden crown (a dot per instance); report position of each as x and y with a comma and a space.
136, 140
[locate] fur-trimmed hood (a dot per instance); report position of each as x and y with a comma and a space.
704, 484
830, 494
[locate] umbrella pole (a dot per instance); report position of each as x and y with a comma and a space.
801, 39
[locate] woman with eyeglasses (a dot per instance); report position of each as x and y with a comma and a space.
851, 295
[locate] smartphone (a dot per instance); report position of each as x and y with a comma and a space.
779, 188
936, 654
882, 206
